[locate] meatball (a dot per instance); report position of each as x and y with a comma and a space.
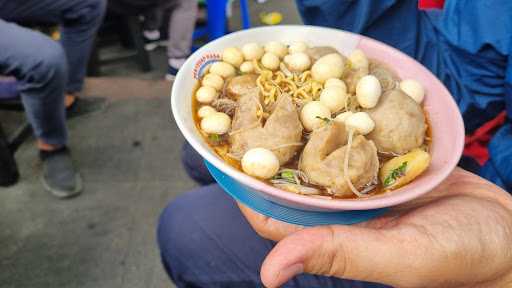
399, 123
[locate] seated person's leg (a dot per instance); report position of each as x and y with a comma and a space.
194, 165
206, 242
41, 74
80, 19
151, 27
182, 22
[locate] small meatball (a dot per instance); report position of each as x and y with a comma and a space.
327, 67
276, 48
206, 94
358, 60
414, 89
334, 98
297, 47
368, 91
252, 51
316, 53
233, 56
270, 61
260, 163
342, 117
314, 115
247, 67
399, 123
214, 81
217, 123
336, 82
240, 85
206, 110
297, 62
223, 69
360, 122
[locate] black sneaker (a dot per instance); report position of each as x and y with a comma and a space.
86, 105
171, 73
59, 175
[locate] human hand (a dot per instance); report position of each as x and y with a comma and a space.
458, 235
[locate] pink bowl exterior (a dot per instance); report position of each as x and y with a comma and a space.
447, 145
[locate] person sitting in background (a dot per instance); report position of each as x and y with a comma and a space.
458, 235
182, 20
49, 75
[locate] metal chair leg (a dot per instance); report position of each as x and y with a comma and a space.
136, 34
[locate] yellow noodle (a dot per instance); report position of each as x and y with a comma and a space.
298, 86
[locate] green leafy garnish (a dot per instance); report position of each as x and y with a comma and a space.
395, 174
325, 119
286, 175
214, 137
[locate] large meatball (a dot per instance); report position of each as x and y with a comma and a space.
399, 123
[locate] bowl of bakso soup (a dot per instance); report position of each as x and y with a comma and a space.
317, 119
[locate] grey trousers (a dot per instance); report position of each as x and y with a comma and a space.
182, 21
45, 69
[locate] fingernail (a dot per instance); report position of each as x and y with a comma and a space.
290, 271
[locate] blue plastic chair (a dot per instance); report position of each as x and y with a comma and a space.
217, 18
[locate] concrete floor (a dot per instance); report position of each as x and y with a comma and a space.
128, 155
106, 237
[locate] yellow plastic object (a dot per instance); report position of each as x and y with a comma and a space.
272, 18
401, 170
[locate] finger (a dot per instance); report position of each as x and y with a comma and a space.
346, 252
267, 227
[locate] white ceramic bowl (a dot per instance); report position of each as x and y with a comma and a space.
445, 118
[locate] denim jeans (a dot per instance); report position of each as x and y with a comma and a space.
46, 69
205, 241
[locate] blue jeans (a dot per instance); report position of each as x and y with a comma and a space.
44, 68
205, 241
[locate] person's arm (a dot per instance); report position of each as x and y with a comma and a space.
381, 20
355, 16
498, 168
458, 235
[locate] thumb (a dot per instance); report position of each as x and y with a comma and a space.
342, 251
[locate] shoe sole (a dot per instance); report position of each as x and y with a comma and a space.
150, 46
61, 194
